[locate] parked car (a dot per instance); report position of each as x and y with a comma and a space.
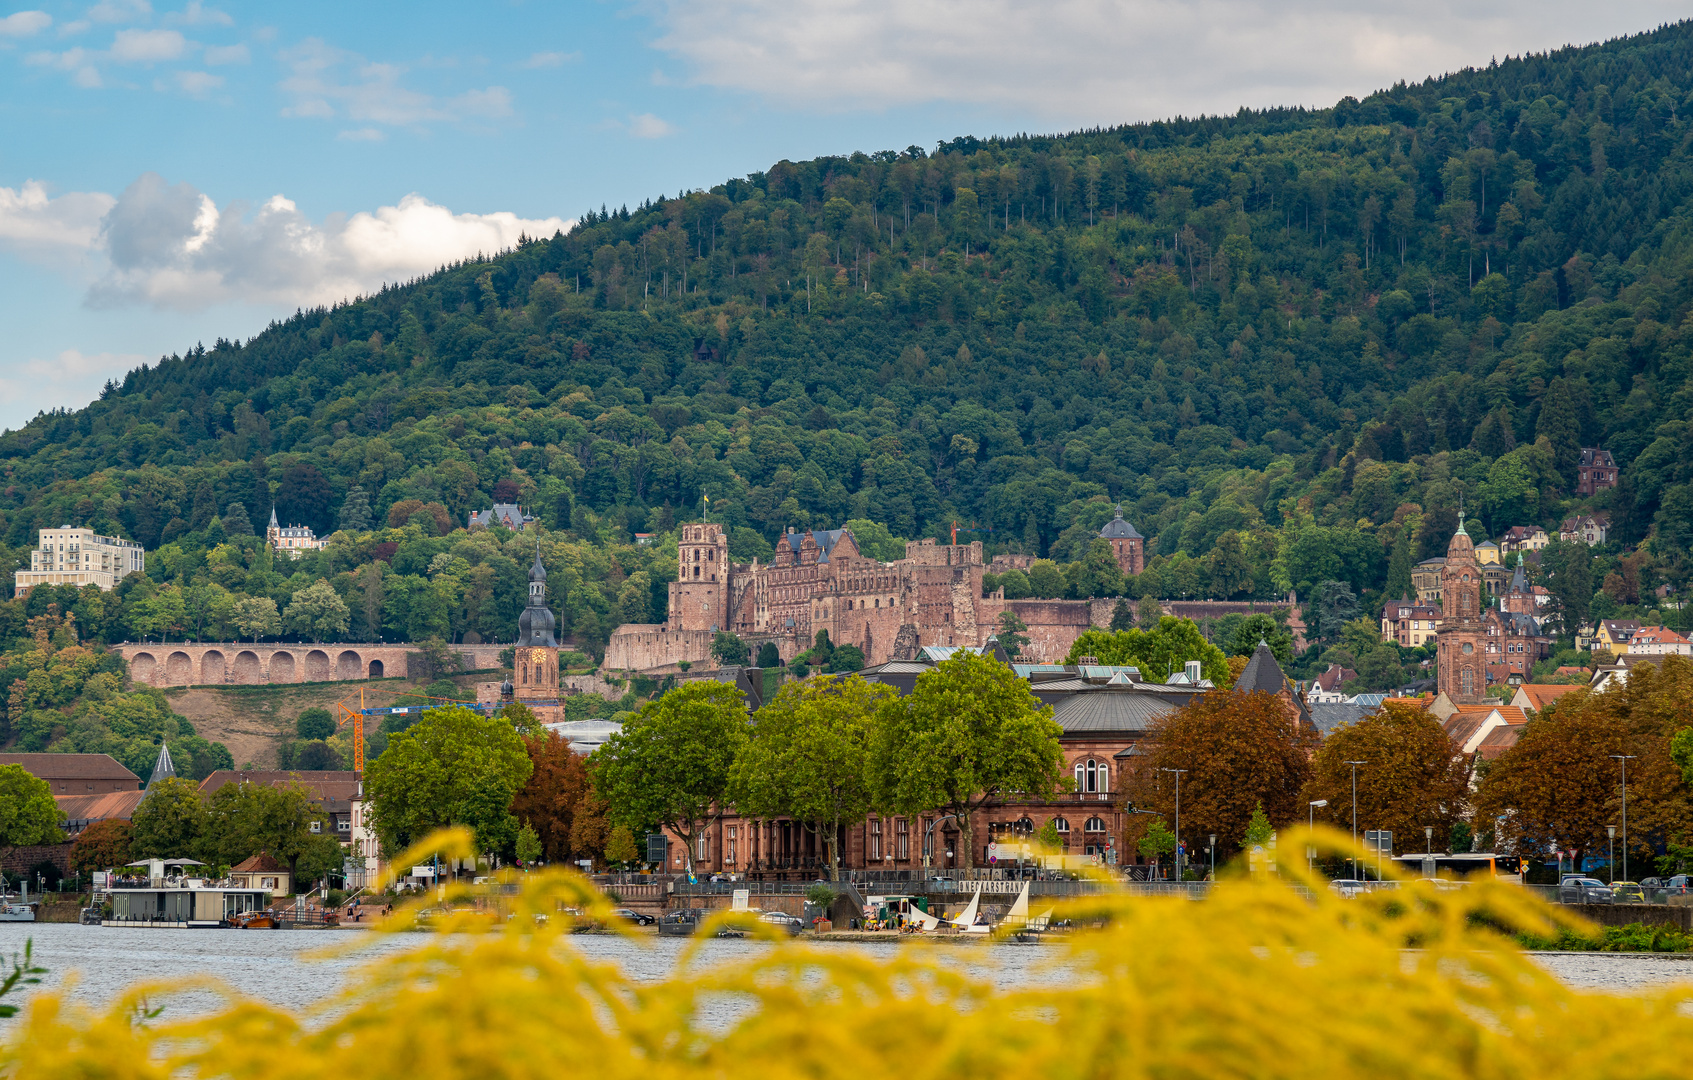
631, 915
1585, 890
1347, 888
1659, 890
1628, 892
791, 923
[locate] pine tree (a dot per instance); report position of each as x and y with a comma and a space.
205, 506
1122, 618
1258, 831
235, 521
1561, 427
355, 511
1398, 585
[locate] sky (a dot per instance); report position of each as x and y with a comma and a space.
176, 172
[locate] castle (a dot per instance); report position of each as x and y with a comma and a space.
1480, 645
819, 580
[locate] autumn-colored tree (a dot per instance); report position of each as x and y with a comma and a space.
1412, 776
1559, 786
101, 846
1239, 749
549, 801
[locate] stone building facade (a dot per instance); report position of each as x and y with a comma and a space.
1462, 640
71, 556
535, 673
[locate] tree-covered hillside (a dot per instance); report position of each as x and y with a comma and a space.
1291, 343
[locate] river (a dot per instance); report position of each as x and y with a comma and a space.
272, 966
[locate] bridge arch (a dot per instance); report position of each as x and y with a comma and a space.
282, 667
349, 666
143, 667
317, 666
247, 669
376, 669
212, 667
179, 669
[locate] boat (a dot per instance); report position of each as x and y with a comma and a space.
687, 921
253, 920
16, 909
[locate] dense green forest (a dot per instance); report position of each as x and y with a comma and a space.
1291, 343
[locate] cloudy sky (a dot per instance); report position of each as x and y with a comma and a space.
182, 172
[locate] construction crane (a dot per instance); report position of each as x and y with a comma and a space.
355, 707
957, 528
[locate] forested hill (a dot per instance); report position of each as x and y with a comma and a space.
1297, 337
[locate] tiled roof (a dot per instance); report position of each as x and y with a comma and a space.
92, 808
1110, 710
330, 785
1499, 740
1330, 715
262, 863
1461, 727
1542, 694
1262, 672
1118, 529
71, 766
826, 540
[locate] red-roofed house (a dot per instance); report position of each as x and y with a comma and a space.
1471, 724
1658, 641
1536, 696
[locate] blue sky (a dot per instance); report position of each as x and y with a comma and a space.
175, 172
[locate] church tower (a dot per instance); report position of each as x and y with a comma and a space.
535, 663
1462, 651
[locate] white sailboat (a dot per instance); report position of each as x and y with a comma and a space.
966, 921
1018, 916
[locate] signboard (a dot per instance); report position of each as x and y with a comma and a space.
101, 879
1379, 841
423, 871
658, 848
740, 899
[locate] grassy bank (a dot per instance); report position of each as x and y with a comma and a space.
1635, 937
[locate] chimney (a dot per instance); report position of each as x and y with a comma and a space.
1192, 667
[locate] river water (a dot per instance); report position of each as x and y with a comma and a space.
102, 962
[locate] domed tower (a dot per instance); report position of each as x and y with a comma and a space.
1126, 544
535, 663
1462, 649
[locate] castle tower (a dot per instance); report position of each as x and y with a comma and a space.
535, 663
1127, 544
1462, 649
699, 597
1519, 600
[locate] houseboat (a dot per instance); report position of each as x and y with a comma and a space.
181, 901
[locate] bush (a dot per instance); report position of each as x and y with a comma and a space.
314, 724
444, 688
821, 894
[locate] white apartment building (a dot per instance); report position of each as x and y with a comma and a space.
69, 556
1658, 641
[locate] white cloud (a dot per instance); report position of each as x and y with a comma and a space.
550, 59
361, 135
170, 246
35, 223
148, 46
227, 54
66, 375
1105, 61
197, 14
648, 126
196, 83
24, 24
120, 10
326, 82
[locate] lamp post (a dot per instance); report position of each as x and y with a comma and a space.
1354, 859
1213, 856
1624, 759
1311, 826
1611, 851
1178, 773
929, 832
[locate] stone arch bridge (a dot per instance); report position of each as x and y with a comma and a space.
256, 665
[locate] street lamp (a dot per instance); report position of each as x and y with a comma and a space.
1178, 773
927, 833
1354, 859
1611, 852
1311, 826
1624, 759
1213, 856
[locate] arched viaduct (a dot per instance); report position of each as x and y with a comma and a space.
255, 665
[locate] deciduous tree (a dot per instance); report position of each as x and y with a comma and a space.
968, 734
669, 767
453, 767
104, 845
1158, 651
1413, 776
549, 800
808, 757
1240, 750
28, 814
170, 823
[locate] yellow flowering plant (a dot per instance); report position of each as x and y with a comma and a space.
1272, 975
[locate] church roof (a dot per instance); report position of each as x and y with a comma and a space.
162, 768
1262, 672
1461, 543
537, 572
1118, 529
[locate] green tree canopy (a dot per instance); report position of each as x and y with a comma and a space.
28, 814
453, 767
808, 757
968, 734
170, 823
1159, 652
1257, 627
670, 765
